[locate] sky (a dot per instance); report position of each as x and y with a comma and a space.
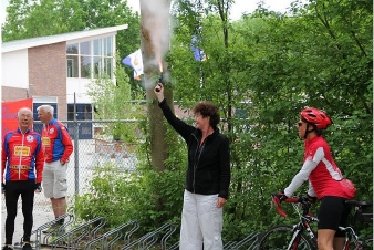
238, 8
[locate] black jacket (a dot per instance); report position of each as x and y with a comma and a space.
208, 170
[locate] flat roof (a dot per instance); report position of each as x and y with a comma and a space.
64, 37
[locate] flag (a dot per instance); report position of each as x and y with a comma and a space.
199, 54
135, 60
9, 114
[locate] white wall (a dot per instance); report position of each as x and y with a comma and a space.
15, 69
80, 87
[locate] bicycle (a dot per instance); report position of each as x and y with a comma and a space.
301, 235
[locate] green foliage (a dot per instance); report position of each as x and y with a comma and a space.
121, 196
261, 70
275, 64
113, 101
109, 197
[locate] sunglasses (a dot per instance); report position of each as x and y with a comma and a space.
300, 124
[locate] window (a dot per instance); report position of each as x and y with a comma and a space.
108, 47
72, 66
90, 59
85, 48
108, 66
83, 112
72, 48
98, 65
86, 66
97, 49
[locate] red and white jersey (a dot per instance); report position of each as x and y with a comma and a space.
320, 169
57, 143
22, 156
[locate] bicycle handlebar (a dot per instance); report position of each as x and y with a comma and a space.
295, 199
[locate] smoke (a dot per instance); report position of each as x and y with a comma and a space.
155, 18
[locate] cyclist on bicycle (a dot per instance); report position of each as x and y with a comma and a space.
326, 181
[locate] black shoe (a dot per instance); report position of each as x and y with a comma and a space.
7, 248
27, 246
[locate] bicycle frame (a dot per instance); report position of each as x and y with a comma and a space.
299, 228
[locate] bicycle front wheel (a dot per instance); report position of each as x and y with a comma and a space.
279, 238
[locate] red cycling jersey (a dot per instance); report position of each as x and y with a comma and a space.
325, 178
22, 154
57, 142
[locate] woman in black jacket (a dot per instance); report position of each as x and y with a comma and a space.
208, 175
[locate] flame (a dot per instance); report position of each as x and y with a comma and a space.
160, 67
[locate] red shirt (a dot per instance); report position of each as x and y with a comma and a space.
22, 154
325, 178
57, 142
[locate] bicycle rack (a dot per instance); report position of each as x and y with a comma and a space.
229, 245
68, 219
168, 234
254, 241
73, 238
174, 247
148, 240
249, 242
130, 232
109, 238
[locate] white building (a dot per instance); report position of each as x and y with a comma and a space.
54, 69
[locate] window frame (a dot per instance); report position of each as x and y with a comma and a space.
98, 48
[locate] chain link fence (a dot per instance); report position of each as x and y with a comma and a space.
93, 147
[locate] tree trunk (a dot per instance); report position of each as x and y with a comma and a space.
152, 22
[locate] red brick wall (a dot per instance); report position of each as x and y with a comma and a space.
47, 74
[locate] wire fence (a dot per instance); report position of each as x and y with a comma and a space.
92, 148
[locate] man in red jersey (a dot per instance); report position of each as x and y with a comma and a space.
326, 181
58, 147
23, 160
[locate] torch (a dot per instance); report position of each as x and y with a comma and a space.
161, 78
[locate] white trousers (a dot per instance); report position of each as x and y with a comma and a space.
201, 221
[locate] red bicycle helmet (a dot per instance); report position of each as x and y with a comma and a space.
316, 117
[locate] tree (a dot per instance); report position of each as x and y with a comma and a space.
30, 19
277, 63
155, 43
261, 70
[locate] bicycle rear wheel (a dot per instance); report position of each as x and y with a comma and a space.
279, 238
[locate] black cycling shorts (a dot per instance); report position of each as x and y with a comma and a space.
333, 213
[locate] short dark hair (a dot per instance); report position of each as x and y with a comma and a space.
208, 109
318, 131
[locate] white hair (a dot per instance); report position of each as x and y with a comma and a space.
24, 110
46, 108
